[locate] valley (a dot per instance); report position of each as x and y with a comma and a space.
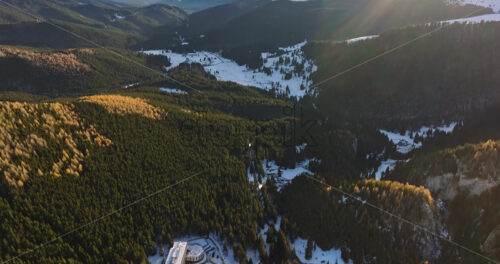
250, 131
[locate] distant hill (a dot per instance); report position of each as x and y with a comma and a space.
71, 71
103, 23
258, 25
428, 81
187, 5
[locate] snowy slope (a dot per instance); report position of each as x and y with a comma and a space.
319, 255
476, 19
493, 4
388, 164
349, 41
286, 68
287, 174
406, 142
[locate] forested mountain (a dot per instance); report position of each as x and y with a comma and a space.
197, 5
187, 5
62, 150
101, 22
364, 234
395, 160
259, 25
431, 80
73, 71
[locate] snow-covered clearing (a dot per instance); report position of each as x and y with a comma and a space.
285, 68
406, 142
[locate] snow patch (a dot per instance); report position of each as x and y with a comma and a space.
406, 142
118, 16
300, 244
300, 148
349, 41
318, 255
172, 90
271, 169
287, 174
131, 85
388, 164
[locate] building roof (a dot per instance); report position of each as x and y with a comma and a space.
177, 253
194, 251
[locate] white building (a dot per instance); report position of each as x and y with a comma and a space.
177, 254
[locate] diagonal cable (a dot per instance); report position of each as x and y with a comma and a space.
101, 218
440, 27
401, 219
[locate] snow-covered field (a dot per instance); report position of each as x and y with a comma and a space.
406, 142
286, 68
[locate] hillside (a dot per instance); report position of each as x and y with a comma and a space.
316, 209
187, 5
429, 81
72, 71
103, 23
270, 132
197, 5
465, 179
141, 140
244, 29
